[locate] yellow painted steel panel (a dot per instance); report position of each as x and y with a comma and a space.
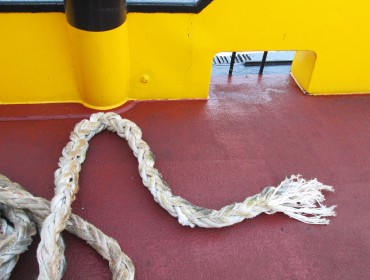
35, 59
302, 67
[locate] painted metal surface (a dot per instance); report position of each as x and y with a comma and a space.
102, 71
175, 51
251, 133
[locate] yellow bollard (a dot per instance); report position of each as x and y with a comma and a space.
99, 43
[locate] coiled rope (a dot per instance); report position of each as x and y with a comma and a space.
296, 197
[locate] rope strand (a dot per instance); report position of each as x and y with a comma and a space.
296, 197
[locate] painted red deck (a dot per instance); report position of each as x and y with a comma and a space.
251, 133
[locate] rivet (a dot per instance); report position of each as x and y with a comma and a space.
144, 79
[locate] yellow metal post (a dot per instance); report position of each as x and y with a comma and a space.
102, 66
99, 43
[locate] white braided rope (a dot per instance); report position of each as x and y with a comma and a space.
14, 196
296, 197
15, 239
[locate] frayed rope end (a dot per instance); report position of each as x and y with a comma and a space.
301, 200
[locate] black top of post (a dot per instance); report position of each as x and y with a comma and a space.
95, 15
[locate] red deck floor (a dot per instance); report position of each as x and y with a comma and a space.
251, 133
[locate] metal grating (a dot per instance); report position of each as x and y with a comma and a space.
225, 58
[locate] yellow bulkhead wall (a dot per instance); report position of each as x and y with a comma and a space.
169, 55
